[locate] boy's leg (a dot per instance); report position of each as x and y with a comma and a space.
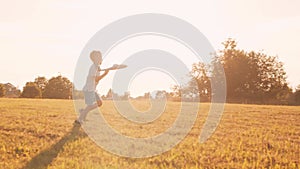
89, 108
89, 99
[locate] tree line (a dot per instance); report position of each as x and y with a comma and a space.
251, 77
55, 88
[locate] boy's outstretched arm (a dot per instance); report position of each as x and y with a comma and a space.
98, 78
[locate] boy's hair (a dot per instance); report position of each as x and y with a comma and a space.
95, 55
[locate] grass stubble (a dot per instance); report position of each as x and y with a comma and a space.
39, 133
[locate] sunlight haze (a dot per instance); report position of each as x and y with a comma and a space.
45, 38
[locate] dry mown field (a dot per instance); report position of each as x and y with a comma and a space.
41, 134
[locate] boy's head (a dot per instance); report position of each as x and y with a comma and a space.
96, 57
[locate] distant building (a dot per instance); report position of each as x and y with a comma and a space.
11, 91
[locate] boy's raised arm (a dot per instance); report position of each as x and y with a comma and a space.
98, 78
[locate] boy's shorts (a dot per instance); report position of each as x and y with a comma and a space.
91, 97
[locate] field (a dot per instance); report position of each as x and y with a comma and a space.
41, 134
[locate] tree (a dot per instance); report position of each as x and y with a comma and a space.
200, 83
198, 86
297, 95
177, 92
240, 69
252, 76
109, 94
41, 82
58, 88
31, 90
147, 95
2, 90
161, 94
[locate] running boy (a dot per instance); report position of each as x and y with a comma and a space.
92, 99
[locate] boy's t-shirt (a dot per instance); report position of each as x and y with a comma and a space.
90, 84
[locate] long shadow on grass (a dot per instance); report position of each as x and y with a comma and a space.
43, 159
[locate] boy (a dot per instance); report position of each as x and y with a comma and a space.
90, 94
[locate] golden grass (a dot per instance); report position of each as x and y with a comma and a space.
36, 133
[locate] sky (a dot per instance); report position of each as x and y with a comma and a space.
45, 38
